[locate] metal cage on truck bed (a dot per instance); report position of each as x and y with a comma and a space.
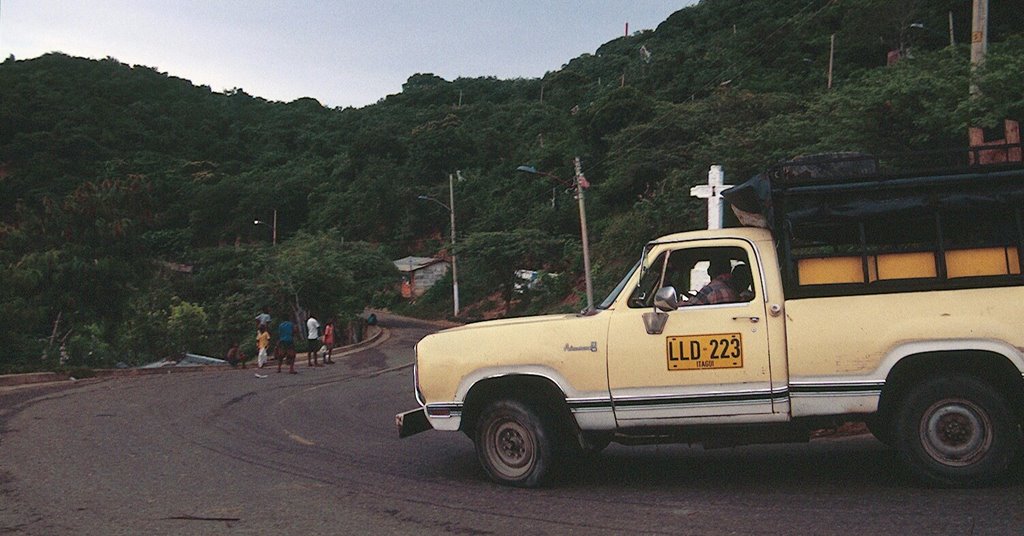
843, 228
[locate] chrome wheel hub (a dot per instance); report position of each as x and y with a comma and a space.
956, 432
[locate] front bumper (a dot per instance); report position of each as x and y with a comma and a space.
412, 422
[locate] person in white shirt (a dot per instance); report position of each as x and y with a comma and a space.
313, 341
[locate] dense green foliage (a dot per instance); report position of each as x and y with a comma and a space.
113, 177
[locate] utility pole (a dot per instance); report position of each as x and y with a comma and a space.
583, 232
952, 40
831, 57
455, 271
580, 182
450, 207
979, 40
273, 232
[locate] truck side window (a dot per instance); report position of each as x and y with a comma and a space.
718, 275
689, 271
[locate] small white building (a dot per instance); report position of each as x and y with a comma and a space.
419, 274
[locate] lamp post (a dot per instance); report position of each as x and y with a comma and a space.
579, 182
450, 207
273, 231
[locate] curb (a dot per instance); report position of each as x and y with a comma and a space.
378, 333
12, 380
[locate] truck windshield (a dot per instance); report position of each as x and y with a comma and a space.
618, 288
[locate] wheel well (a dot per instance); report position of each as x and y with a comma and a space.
992, 368
540, 393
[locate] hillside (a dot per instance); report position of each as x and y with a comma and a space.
108, 172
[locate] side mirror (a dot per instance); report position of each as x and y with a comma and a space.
666, 299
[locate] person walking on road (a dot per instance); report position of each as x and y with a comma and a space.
312, 340
262, 343
328, 342
286, 345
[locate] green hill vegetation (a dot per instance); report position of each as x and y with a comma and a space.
127, 197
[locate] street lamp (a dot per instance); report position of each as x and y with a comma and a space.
273, 235
450, 207
580, 182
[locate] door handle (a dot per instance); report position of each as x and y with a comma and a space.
752, 319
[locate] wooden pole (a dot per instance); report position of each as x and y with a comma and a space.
979, 40
455, 271
952, 40
583, 234
831, 58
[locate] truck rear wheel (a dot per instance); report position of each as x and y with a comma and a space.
514, 444
956, 431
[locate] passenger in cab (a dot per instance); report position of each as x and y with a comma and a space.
741, 282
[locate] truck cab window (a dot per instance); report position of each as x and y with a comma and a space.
714, 276
701, 276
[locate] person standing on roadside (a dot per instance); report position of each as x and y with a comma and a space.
235, 356
328, 342
286, 345
312, 340
262, 343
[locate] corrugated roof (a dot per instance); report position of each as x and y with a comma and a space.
411, 264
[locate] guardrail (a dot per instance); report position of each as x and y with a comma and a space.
10, 380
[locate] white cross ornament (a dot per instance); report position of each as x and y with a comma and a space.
712, 191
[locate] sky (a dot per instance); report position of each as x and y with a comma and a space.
340, 52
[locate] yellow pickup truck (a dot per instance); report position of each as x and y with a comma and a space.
908, 317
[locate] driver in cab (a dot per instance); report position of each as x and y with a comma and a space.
723, 285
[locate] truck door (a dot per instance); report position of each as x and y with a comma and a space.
706, 361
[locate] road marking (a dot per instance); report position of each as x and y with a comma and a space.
299, 439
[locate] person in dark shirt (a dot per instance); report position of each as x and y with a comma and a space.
285, 350
741, 282
235, 356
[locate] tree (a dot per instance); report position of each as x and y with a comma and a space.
110, 173
492, 258
323, 273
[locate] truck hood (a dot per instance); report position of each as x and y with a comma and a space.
449, 361
520, 321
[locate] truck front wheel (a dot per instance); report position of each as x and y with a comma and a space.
513, 444
956, 431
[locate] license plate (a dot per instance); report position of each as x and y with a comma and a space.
703, 352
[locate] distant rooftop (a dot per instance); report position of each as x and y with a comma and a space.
412, 264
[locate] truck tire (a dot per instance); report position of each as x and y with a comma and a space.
514, 444
956, 431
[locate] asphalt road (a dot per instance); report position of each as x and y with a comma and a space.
317, 453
